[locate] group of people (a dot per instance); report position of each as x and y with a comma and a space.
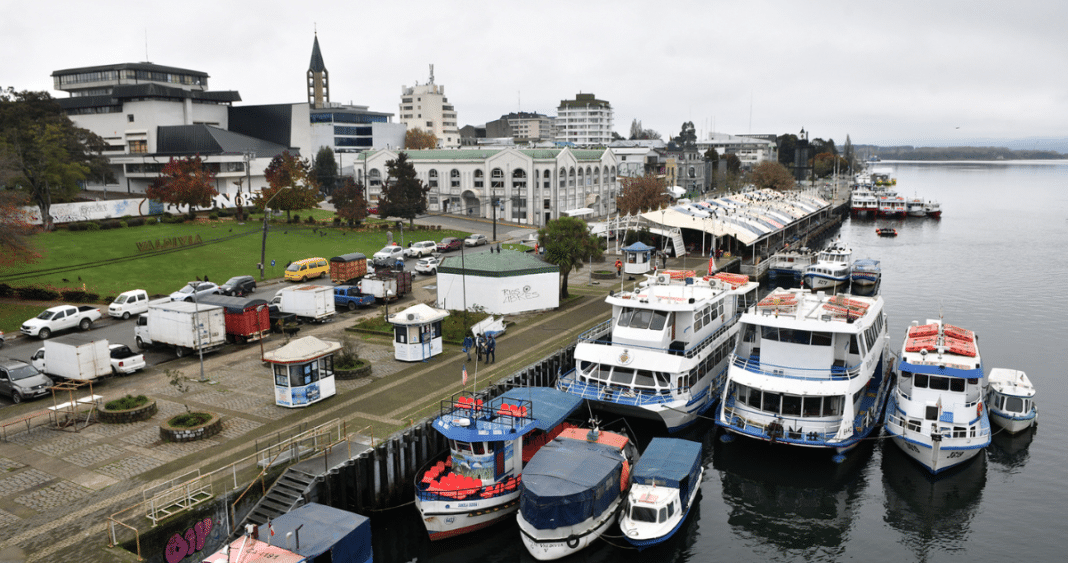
485, 347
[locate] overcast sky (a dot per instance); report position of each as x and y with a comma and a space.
898, 72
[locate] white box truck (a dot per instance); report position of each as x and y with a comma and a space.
74, 357
310, 303
175, 324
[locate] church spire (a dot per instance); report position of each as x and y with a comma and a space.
318, 78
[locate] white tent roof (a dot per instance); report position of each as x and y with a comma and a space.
301, 350
418, 314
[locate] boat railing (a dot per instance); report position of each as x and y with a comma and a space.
904, 426
452, 486
595, 334
753, 364
511, 413
569, 383
782, 427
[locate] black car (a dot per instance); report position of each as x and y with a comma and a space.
238, 286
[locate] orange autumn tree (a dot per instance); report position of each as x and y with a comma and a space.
15, 247
641, 194
184, 181
290, 179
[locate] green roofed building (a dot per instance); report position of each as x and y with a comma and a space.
500, 283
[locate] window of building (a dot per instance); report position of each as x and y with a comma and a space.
519, 179
478, 178
563, 178
430, 124
433, 176
139, 147
497, 179
375, 177
130, 117
571, 177
547, 182
454, 178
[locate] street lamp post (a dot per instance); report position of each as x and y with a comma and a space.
196, 320
263, 248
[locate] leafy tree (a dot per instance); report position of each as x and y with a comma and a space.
42, 152
787, 144
403, 194
821, 146
325, 170
772, 175
849, 154
687, 136
713, 155
734, 164
287, 171
637, 133
641, 194
567, 242
617, 136
15, 246
350, 200
416, 139
823, 164
184, 181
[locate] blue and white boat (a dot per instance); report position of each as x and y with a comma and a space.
478, 484
809, 370
666, 481
1011, 400
866, 272
831, 269
573, 489
936, 413
663, 354
790, 264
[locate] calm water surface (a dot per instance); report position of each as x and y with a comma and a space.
993, 264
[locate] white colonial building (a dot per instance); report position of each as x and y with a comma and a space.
584, 121
424, 106
749, 150
528, 186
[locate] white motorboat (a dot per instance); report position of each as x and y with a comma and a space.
664, 353
832, 268
936, 413
1011, 400
666, 481
810, 370
933, 209
915, 207
866, 272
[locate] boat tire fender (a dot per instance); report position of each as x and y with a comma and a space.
572, 542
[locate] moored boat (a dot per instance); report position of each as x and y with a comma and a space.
891, 206
933, 209
831, 268
809, 370
886, 232
915, 207
663, 354
866, 271
572, 490
936, 413
863, 202
666, 481
790, 264
1011, 400
478, 484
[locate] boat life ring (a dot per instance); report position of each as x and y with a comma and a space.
572, 542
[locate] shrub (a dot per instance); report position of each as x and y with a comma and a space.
123, 224
224, 212
337, 221
135, 221
79, 296
213, 216
109, 224
189, 419
6, 290
75, 227
310, 220
126, 403
295, 219
31, 293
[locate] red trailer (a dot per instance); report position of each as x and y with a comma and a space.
247, 320
348, 268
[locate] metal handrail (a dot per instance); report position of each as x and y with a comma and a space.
809, 374
689, 352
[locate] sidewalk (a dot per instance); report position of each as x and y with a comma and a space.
58, 487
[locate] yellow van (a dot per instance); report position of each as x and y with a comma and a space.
303, 270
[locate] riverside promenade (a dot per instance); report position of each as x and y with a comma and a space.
58, 487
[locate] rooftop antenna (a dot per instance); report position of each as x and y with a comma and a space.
431, 74
750, 111
146, 45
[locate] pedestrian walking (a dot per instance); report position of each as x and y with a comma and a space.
619, 268
480, 346
491, 350
468, 344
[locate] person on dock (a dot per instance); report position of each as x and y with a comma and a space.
491, 350
619, 268
468, 344
480, 346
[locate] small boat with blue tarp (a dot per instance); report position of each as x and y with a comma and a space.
936, 413
666, 481
312, 533
866, 272
572, 491
490, 441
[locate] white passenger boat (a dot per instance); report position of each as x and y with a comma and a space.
790, 264
863, 202
892, 206
866, 272
478, 484
1011, 400
666, 481
572, 491
933, 209
915, 207
809, 370
663, 354
831, 269
936, 412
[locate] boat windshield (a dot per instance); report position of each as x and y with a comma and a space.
643, 514
1014, 404
642, 318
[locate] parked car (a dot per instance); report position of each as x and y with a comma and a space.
428, 266
306, 269
421, 248
1, 339
133, 302
476, 240
125, 361
201, 288
449, 243
60, 318
388, 255
20, 380
238, 286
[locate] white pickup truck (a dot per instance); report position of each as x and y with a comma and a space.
58, 318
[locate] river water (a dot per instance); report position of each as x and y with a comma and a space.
991, 264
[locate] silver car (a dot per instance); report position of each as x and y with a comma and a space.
20, 380
201, 289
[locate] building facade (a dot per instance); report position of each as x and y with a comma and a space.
523, 127
584, 121
528, 186
424, 106
749, 150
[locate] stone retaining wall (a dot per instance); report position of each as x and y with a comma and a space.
210, 428
137, 414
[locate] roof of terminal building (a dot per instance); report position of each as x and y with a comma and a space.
147, 90
130, 66
207, 140
503, 264
482, 154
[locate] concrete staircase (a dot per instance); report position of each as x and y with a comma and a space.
286, 494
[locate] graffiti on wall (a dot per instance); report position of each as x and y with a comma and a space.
183, 545
514, 295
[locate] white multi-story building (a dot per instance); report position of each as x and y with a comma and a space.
529, 186
523, 127
749, 150
424, 106
584, 121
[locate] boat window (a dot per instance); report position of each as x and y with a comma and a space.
956, 384
643, 514
1014, 404
624, 316
662, 379
832, 406
791, 405
622, 376
659, 318
960, 432
478, 448
748, 333
921, 380
584, 366
906, 374
772, 402
641, 318
931, 413
663, 515
769, 333
600, 372
671, 509
644, 378
821, 339
693, 377
741, 393
754, 398
462, 447
854, 345
939, 383
811, 406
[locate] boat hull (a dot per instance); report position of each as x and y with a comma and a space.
547, 545
936, 455
1013, 422
865, 279
448, 518
818, 282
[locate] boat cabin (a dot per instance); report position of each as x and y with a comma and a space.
638, 259
303, 371
417, 332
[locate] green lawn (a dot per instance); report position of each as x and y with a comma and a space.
12, 317
110, 262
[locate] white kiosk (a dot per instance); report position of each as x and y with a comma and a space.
303, 371
417, 332
638, 258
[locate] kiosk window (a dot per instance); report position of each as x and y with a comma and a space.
281, 376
